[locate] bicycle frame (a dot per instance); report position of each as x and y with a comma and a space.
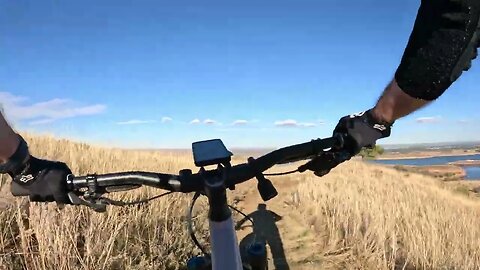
222, 232
225, 250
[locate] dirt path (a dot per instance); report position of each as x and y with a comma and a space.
291, 244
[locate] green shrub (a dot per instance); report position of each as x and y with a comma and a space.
371, 153
462, 190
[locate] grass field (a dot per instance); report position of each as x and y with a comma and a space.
361, 216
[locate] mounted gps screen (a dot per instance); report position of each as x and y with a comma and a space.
210, 152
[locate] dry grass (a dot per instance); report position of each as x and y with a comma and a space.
364, 217
368, 217
152, 236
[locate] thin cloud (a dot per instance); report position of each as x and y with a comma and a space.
136, 122
307, 124
195, 122
209, 122
18, 108
293, 123
41, 122
427, 120
6, 98
166, 119
286, 123
240, 122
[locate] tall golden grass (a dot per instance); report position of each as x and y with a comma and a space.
368, 217
150, 236
363, 216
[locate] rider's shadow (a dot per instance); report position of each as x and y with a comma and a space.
265, 231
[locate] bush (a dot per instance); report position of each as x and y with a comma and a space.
372, 152
462, 190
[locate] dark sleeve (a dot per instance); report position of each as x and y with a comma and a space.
443, 43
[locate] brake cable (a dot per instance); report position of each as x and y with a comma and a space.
281, 173
121, 203
191, 231
247, 218
190, 225
97, 202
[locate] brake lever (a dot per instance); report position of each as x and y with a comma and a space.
107, 201
323, 163
95, 204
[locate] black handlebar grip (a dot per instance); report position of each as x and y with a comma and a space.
18, 190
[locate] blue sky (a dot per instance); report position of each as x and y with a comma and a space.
254, 73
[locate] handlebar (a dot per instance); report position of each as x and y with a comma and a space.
186, 181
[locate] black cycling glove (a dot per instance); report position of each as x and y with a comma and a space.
361, 130
44, 180
358, 131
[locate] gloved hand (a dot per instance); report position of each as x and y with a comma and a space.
45, 180
361, 130
358, 131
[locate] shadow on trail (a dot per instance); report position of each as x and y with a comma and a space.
265, 231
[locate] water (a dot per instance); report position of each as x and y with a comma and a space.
473, 172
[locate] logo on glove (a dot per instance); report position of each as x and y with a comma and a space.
26, 178
380, 127
355, 115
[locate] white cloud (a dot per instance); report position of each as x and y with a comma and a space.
240, 122
429, 119
41, 121
166, 119
307, 124
286, 123
195, 121
210, 122
8, 98
293, 123
17, 108
135, 122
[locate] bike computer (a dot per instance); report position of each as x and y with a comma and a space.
210, 152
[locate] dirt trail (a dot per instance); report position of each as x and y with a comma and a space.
291, 243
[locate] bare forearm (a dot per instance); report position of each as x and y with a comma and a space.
395, 103
8, 140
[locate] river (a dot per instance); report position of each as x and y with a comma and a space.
473, 172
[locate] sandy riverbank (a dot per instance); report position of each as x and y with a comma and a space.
444, 172
468, 162
428, 154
